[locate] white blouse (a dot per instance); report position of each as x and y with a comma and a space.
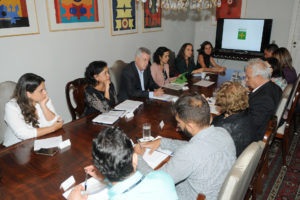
18, 129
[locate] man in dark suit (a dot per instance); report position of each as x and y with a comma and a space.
264, 98
136, 79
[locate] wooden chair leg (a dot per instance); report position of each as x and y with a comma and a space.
285, 149
263, 172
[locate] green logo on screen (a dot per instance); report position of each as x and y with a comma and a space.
242, 34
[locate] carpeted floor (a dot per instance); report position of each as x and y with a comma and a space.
283, 183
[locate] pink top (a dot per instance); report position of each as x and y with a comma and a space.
158, 75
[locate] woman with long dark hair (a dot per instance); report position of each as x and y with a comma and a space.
205, 60
286, 63
160, 70
184, 61
30, 112
100, 94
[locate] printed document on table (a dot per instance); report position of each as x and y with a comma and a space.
128, 105
174, 86
95, 190
156, 157
47, 143
204, 83
109, 117
166, 97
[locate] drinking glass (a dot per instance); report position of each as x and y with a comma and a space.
146, 131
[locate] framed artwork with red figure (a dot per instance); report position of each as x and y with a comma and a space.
75, 14
230, 9
152, 16
18, 17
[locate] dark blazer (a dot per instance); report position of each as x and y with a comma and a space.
181, 67
263, 104
240, 128
130, 83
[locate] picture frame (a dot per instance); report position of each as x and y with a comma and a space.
64, 15
123, 17
18, 18
152, 16
236, 10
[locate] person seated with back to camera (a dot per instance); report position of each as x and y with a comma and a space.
232, 101
184, 61
115, 161
277, 74
205, 59
286, 64
136, 79
100, 94
201, 164
160, 68
30, 112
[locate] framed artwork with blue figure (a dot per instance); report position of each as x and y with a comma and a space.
123, 17
75, 14
18, 17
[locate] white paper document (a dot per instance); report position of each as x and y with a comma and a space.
47, 143
166, 97
109, 117
128, 106
213, 109
156, 157
204, 83
95, 190
174, 86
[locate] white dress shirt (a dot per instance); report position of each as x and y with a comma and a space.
18, 129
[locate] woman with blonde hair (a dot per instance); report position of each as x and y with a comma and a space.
285, 62
232, 101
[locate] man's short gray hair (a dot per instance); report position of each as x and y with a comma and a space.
259, 67
142, 50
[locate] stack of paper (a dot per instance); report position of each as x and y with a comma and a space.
109, 117
95, 190
154, 159
47, 143
204, 83
166, 97
174, 86
128, 106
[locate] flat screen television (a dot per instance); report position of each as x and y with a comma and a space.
243, 36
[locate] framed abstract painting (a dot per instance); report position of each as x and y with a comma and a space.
75, 14
152, 16
18, 17
123, 17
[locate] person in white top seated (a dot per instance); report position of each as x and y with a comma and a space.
29, 113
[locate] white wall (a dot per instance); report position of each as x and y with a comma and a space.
62, 56
278, 10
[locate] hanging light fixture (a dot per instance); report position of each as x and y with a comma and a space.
186, 4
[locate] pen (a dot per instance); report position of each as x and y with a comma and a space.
85, 182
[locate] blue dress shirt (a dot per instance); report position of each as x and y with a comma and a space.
141, 76
155, 185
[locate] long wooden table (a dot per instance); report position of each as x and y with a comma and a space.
27, 175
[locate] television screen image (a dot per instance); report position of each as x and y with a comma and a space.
242, 34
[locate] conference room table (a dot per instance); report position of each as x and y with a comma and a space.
27, 175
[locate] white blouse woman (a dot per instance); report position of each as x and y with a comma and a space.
29, 113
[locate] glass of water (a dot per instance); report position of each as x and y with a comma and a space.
146, 131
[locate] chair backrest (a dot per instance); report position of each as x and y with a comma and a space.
238, 179
115, 73
6, 91
286, 94
75, 97
293, 93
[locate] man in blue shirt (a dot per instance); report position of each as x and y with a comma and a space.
115, 160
